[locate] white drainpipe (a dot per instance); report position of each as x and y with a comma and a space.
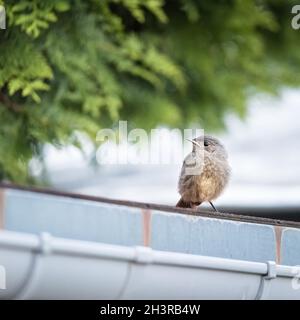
45, 267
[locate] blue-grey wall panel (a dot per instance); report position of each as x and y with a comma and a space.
213, 237
70, 218
290, 247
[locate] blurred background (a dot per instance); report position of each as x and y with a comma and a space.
231, 67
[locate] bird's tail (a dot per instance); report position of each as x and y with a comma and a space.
186, 204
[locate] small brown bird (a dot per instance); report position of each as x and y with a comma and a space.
205, 173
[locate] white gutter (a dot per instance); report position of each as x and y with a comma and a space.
45, 267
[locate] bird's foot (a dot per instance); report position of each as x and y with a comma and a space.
213, 206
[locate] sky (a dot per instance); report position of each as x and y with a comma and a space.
264, 154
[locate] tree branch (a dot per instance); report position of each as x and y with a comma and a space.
7, 102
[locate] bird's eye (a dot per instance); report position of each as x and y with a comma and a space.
205, 144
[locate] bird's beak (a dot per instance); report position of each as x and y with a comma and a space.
194, 142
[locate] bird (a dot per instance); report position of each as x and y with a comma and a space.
205, 173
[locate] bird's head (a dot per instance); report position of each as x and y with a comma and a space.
210, 144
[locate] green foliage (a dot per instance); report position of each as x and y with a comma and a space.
33, 15
79, 65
